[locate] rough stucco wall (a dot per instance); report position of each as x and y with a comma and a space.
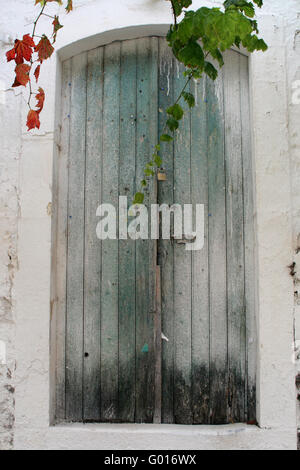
9, 209
15, 145
11, 145
293, 76
12, 119
293, 82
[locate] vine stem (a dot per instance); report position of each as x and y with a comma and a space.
31, 61
178, 99
36, 21
49, 16
174, 13
187, 82
184, 88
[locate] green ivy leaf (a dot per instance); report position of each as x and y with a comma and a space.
189, 99
242, 5
149, 172
210, 70
248, 9
253, 43
192, 55
176, 111
216, 54
166, 138
139, 198
172, 124
237, 41
158, 161
143, 183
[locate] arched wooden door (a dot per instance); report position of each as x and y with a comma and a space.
113, 108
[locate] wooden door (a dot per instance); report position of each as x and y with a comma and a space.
105, 301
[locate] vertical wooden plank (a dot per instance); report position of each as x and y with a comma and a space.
75, 261
235, 238
182, 273
127, 247
60, 248
92, 266
249, 238
154, 270
144, 315
166, 248
200, 267
158, 350
153, 140
110, 251
217, 252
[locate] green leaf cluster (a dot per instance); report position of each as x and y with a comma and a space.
210, 32
207, 32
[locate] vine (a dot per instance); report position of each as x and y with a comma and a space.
198, 39
207, 32
26, 53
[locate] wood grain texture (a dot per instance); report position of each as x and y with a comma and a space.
127, 318
235, 239
217, 252
200, 263
60, 207
158, 351
92, 262
110, 248
76, 224
166, 247
153, 139
144, 314
249, 241
182, 274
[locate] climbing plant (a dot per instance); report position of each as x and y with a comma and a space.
198, 40
29, 54
200, 37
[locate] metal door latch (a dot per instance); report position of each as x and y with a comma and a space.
183, 241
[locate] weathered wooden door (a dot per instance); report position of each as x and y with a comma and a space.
105, 300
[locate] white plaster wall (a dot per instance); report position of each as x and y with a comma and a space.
25, 232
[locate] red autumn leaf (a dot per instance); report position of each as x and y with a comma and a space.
33, 120
37, 72
16, 83
40, 99
10, 55
22, 50
44, 49
56, 27
22, 75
